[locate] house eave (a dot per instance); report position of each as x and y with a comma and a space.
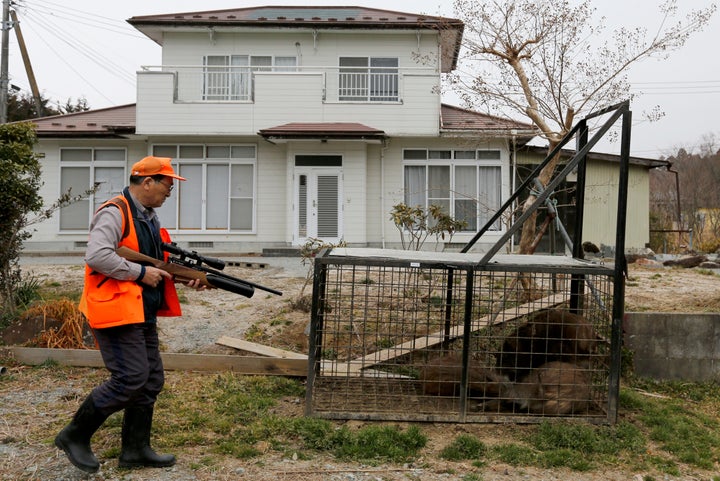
521, 137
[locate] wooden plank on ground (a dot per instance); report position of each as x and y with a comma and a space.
432, 339
171, 360
260, 349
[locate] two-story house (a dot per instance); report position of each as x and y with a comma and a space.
290, 123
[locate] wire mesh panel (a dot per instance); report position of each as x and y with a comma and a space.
436, 337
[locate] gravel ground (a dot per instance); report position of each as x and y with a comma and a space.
30, 411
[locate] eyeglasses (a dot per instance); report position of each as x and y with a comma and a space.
170, 187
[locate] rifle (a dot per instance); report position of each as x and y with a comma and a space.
193, 260
188, 266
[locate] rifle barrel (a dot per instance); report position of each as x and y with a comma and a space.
231, 286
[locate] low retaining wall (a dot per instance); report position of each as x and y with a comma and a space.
674, 346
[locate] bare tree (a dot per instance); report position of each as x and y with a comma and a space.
542, 59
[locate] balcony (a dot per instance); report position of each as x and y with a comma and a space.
198, 99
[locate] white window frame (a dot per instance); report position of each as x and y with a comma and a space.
452, 159
229, 77
170, 213
92, 164
368, 81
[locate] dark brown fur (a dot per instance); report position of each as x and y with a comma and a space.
551, 335
441, 377
555, 388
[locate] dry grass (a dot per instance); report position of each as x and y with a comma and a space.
68, 335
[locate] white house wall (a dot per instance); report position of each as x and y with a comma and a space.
47, 235
282, 97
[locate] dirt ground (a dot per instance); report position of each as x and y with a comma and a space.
26, 450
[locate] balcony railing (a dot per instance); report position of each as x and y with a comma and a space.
237, 84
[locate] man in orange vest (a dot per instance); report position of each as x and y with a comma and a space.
122, 301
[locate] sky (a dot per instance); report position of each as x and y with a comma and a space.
85, 48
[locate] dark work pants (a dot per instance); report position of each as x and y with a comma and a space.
132, 355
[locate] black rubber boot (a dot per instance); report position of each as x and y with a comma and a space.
136, 450
74, 439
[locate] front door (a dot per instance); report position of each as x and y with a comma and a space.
318, 205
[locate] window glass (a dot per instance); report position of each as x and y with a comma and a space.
218, 152
165, 151
242, 152
217, 195
466, 196
465, 190
190, 197
242, 181
439, 154
438, 184
415, 186
373, 79
465, 154
488, 154
75, 216
489, 197
109, 154
111, 181
191, 151
80, 169
75, 155
259, 62
415, 154
285, 64
241, 214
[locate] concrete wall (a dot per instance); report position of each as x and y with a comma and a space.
674, 346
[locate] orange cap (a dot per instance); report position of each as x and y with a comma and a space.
154, 166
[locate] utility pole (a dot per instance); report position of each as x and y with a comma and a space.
28, 65
4, 80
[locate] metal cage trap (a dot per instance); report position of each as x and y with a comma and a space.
472, 337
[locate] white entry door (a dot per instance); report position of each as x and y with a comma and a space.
318, 205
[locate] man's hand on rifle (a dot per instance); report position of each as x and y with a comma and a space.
196, 284
153, 276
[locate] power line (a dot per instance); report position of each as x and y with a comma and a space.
87, 51
92, 20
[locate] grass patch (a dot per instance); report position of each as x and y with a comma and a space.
375, 443
234, 415
666, 429
463, 447
681, 418
576, 446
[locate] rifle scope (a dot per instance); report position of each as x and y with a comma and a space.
173, 248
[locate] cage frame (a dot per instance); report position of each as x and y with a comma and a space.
470, 264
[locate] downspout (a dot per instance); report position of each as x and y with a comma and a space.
382, 190
677, 195
513, 173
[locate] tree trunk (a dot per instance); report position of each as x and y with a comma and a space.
528, 233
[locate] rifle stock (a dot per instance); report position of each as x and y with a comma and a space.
185, 274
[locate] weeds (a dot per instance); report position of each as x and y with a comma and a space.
666, 429
463, 447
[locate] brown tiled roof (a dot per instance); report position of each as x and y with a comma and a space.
315, 17
322, 130
108, 122
457, 119
300, 15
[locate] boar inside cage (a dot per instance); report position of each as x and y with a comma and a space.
413, 336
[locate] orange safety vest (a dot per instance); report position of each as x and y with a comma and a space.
108, 302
